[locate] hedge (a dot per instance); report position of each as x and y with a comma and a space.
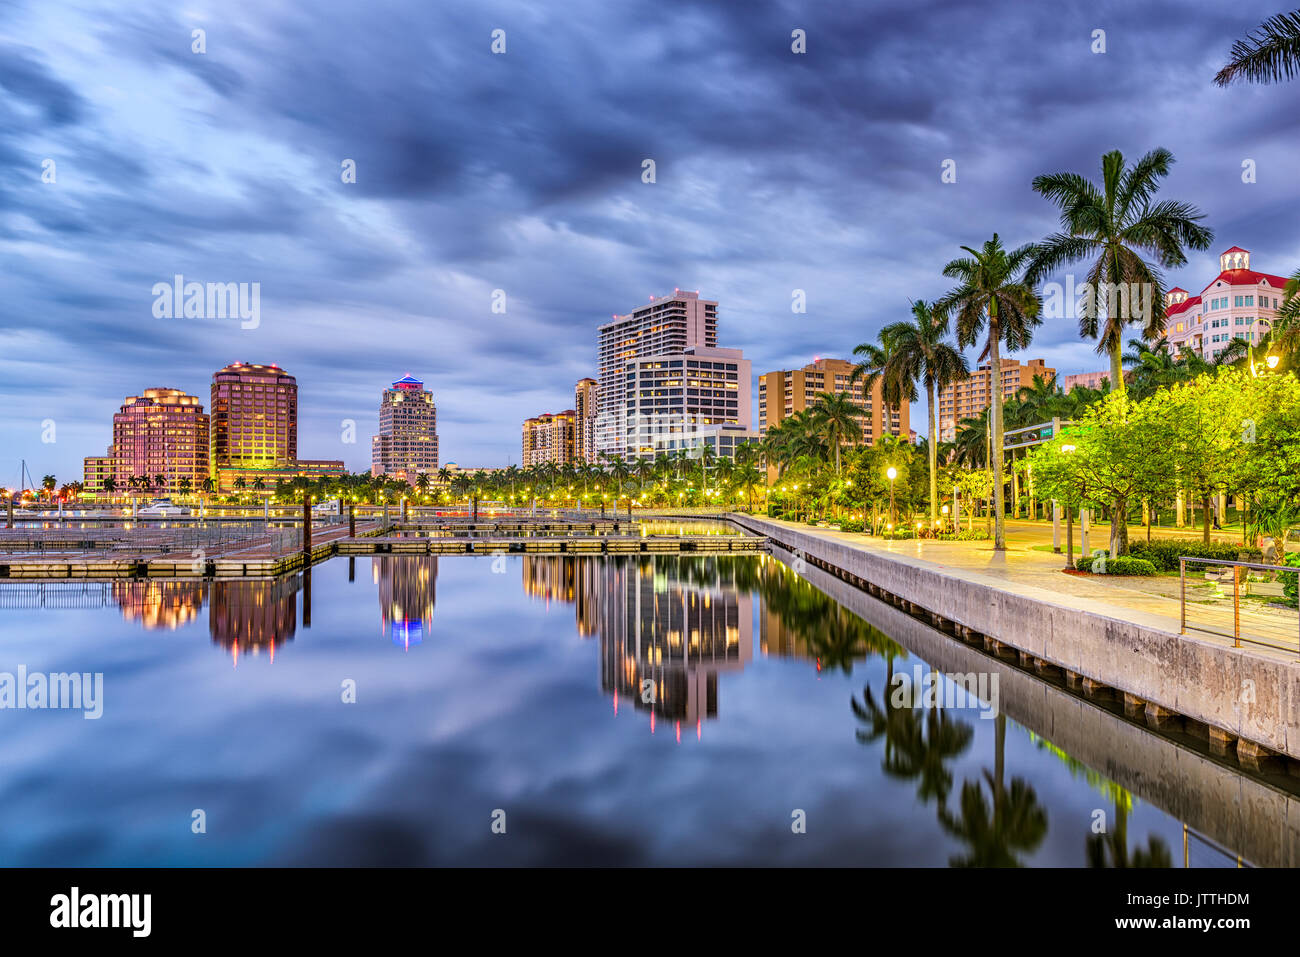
1164, 553
1127, 565
851, 525
1291, 583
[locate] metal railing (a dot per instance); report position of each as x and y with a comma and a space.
1237, 567
1202, 851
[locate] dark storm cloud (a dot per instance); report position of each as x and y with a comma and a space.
521, 172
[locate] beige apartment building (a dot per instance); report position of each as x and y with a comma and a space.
586, 398
783, 393
549, 437
969, 398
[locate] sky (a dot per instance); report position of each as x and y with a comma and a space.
128, 158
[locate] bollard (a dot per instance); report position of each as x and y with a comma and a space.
10, 522
306, 531
352, 521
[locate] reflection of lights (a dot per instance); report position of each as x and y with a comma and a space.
406, 632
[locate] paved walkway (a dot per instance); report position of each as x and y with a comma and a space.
1155, 600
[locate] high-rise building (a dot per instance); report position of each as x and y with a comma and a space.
783, 393
549, 437
686, 400
162, 432
968, 398
586, 397
254, 417
1239, 303
407, 443
668, 324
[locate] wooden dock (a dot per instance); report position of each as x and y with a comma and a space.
150, 556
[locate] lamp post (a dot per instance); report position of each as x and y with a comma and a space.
1069, 527
944, 510
892, 474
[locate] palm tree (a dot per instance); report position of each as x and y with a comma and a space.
48, 483
993, 297
836, 416
422, 481
874, 368
1286, 324
921, 351
1118, 223
972, 444
1269, 55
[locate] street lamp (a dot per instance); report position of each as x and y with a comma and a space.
892, 473
1069, 526
944, 511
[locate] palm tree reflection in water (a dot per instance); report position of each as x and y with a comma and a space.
920, 743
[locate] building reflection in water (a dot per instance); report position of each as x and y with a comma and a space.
160, 604
248, 616
572, 580
668, 625
407, 590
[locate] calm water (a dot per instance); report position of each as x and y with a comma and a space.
517, 685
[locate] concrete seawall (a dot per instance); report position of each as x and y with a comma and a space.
1247, 694
1239, 811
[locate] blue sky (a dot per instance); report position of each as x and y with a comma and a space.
522, 172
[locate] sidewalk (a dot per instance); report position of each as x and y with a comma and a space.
1022, 565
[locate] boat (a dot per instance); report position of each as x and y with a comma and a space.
163, 508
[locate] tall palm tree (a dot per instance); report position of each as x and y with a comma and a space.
1269, 55
921, 351
1115, 224
993, 299
836, 417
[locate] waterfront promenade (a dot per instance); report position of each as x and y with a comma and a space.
1023, 566
1107, 632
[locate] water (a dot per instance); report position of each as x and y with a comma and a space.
515, 684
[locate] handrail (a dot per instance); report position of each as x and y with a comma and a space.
1236, 567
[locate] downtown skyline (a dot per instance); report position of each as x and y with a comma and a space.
224, 167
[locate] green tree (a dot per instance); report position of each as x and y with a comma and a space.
835, 418
994, 300
921, 352
1115, 224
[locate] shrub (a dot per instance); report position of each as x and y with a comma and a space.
812, 521
907, 533
973, 535
1128, 565
1165, 552
1102, 564
851, 525
1291, 583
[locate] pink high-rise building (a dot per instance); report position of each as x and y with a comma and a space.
162, 432
1239, 303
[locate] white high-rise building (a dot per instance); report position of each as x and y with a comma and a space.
666, 325
665, 385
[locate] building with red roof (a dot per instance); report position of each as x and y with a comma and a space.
1239, 303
